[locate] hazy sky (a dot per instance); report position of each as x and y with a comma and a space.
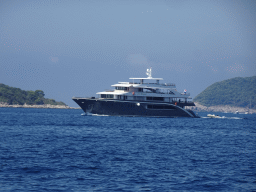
77, 48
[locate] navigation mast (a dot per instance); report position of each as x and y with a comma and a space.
149, 73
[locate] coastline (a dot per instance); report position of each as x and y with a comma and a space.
44, 106
221, 108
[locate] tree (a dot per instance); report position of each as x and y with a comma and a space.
39, 93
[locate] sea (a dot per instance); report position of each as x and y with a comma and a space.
62, 150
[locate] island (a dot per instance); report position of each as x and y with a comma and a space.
232, 95
17, 98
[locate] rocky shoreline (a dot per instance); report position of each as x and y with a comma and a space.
45, 106
221, 108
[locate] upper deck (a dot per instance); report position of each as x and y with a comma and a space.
145, 87
144, 84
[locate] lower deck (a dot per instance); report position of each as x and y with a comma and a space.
133, 108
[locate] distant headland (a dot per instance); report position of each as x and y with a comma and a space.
17, 98
233, 95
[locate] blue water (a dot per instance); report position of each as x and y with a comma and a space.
60, 150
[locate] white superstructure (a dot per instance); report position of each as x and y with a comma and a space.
145, 89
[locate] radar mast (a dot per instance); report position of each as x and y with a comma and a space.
149, 73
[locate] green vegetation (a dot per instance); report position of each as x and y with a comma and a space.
237, 92
12, 95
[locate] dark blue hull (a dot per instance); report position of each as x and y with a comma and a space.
133, 108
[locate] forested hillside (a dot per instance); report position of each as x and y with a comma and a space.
12, 95
237, 91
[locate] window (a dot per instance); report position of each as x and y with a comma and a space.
107, 96
155, 98
122, 88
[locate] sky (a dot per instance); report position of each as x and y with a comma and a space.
80, 47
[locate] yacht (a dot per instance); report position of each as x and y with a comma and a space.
139, 97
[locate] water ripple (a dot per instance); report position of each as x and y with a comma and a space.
60, 150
